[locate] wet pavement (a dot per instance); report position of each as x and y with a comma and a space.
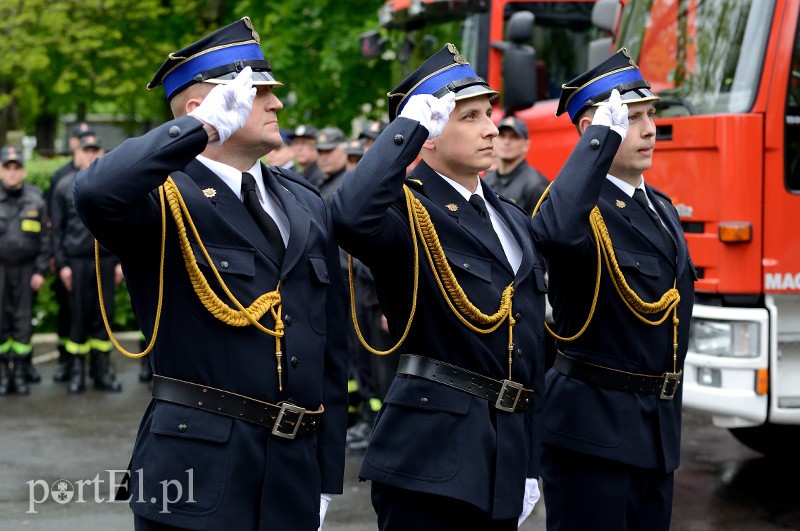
50, 436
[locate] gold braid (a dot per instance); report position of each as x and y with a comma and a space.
667, 303
421, 226
270, 301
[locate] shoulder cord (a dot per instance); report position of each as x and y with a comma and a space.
420, 225
270, 301
667, 303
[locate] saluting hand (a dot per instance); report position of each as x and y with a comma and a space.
614, 114
431, 112
227, 106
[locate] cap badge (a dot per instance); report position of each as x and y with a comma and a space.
621, 203
209, 192
627, 54
457, 57
452, 207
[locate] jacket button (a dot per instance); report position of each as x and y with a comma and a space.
466, 265
182, 427
288, 320
398, 139
224, 264
423, 401
174, 131
518, 316
294, 361
594, 143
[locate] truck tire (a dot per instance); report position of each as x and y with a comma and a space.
772, 440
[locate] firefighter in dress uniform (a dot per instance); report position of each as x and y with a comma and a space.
621, 287
456, 442
243, 305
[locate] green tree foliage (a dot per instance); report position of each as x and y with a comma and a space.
315, 52
67, 57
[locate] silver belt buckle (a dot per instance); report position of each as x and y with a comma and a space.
508, 384
291, 408
670, 385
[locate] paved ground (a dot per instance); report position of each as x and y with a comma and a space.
50, 436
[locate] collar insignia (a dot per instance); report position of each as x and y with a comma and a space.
621, 204
452, 207
209, 192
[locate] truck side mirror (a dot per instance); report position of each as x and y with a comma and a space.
519, 63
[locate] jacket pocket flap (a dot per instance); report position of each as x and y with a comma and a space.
475, 265
182, 421
227, 260
415, 392
320, 268
647, 264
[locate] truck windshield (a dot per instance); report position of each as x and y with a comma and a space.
561, 35
700, 56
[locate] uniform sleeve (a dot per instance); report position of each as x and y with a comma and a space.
361, 204
563, 218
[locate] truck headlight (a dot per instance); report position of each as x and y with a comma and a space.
737, 339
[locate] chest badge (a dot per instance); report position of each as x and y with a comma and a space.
452, 207
209, 192
621, 203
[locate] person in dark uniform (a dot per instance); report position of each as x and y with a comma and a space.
24, 256
332, 149
370, 133
304, 146
613, 397
355, 150
250, 366
74, 252
514, 178
456, 442
62, 373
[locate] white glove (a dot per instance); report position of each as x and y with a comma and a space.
227, 106
324, 500
613, 113
531, 497
431, 112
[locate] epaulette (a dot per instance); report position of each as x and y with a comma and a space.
295, 177
414, 184
659, 193
510, 202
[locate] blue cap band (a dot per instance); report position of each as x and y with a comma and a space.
600, 85
435, 82
186, 71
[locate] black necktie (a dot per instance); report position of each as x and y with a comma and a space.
480, 207
639, 197
263, 220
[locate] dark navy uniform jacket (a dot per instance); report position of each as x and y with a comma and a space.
240, 473
430, 437
637, 429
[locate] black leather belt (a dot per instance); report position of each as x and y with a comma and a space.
663, 386
285, 420
506, 395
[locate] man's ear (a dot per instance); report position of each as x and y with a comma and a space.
192, 104
583, 124
429, 145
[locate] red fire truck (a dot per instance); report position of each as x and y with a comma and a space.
727, 152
